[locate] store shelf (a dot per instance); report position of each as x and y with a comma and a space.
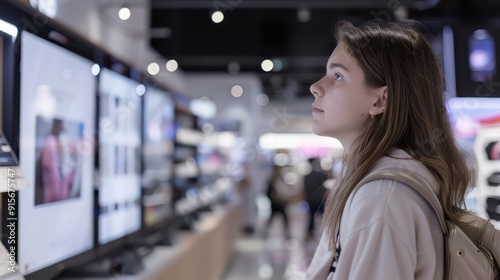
200, 254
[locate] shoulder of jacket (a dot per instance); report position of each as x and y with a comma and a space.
378, 199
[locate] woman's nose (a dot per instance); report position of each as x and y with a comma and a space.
315, 89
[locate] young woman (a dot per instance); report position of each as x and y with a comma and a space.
383, 98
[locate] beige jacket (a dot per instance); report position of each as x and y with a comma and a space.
387, 231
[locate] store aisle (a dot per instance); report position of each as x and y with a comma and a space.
273, 257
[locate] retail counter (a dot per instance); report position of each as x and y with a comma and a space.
199, 254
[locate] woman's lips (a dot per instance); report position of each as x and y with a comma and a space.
316, 109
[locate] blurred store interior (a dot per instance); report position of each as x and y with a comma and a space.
168, 121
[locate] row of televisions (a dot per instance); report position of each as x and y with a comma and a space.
94, 138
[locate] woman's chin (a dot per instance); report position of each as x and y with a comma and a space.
322, 132
318, 131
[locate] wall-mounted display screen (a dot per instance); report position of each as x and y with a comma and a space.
158, 131
119, 156
469, 115
56, 154
475, 48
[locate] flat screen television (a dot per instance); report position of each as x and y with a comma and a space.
56, 154
119, 186
158, 136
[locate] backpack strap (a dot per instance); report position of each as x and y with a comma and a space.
419, 185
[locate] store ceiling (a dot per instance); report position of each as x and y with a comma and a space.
296, 35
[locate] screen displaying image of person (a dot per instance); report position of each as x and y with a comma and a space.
57, 166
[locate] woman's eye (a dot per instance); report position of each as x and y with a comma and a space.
337, 77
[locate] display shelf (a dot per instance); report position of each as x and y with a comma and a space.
207, 249
186, 149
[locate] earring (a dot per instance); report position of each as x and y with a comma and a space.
371, 115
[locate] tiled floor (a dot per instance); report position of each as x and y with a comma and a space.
274, 257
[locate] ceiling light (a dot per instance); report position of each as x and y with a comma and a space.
96, 69
236, 91
124, 13
140, 90
153, 68
217, 17
172, 65
303, 14
262, 99
267, 65
277, 65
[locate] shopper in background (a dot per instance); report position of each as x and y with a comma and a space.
383, 98
314, 193
279, 194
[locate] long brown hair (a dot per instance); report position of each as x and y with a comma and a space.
415, 120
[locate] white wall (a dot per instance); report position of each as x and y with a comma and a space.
217, 87
292, 115
97, 21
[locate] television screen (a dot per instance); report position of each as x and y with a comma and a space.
119, 156
158, 131
469, 115
57, 117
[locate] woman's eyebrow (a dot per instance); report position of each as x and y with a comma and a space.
333, 65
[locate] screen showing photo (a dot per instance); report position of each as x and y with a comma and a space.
158, 150
57, 117
57, 142
119, 156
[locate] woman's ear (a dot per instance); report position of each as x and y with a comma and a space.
380, 103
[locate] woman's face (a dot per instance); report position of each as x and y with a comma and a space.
342, 99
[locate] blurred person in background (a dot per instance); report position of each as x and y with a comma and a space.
314, 193
279, 194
